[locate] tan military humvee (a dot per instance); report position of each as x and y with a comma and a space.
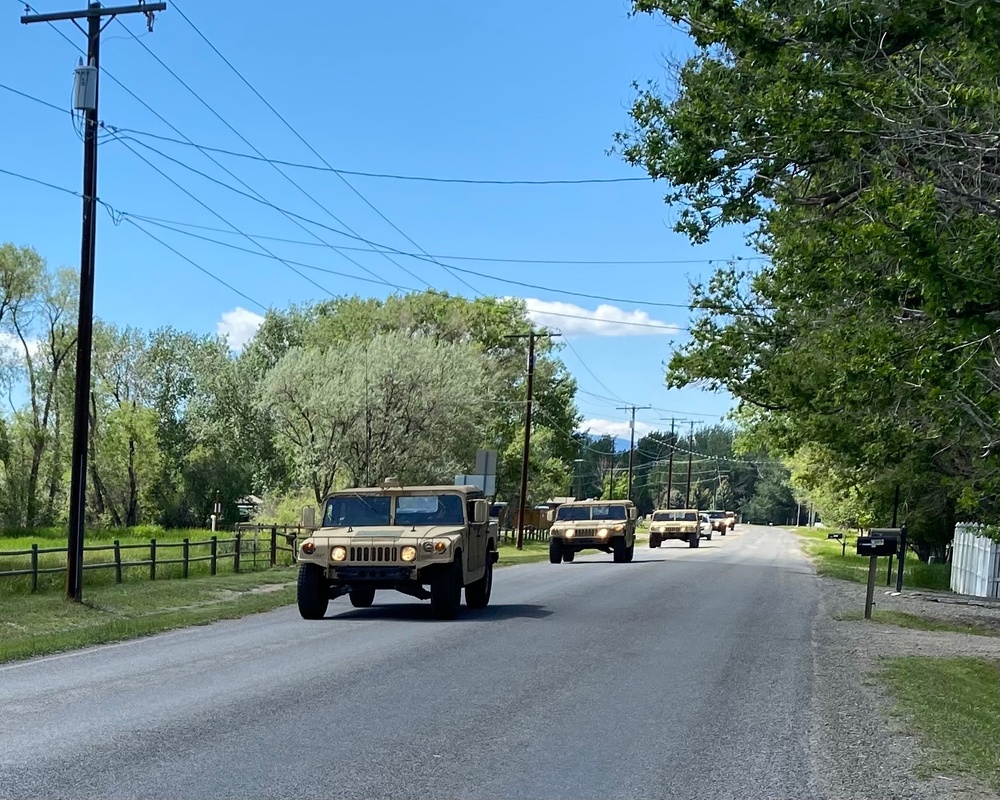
607, 525
677, 523
404, 539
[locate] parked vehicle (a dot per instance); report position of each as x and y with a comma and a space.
731, 516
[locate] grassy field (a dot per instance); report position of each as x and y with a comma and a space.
953, 705
46, 623
916, 622
826, 554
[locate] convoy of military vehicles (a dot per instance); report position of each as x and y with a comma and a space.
436, 542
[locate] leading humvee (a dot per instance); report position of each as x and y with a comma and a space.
423, 541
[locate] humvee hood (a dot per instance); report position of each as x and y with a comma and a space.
390, 532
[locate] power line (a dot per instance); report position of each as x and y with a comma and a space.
175, 129
312, 149
553, 290
377, 247
249, 144
388, 175
197, 266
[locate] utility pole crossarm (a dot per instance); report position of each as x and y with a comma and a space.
631, 449
95, 10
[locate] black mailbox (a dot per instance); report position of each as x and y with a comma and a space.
835, 536
879, 542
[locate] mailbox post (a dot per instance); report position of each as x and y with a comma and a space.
879, 542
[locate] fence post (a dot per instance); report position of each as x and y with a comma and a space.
236, 552
274, 545
215, 554
185, 555
152, 559
118, 561
34, 567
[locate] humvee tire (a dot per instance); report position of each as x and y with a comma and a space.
694, 540
362, 598
555, 551
654, 540
477, 593
619, 550
568, 556
313, 595
446, 591
629, 553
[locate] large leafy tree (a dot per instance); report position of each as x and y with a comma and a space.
854, 140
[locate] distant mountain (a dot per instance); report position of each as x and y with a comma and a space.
621, 442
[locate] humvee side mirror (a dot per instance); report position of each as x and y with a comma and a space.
632, 513
480, 512
550, 515
308, 517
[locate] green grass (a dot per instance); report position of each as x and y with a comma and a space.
826, 555
919, 623
953, 705
47, 623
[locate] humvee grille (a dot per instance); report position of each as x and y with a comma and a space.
374, 554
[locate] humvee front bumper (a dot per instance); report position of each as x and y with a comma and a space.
366, 573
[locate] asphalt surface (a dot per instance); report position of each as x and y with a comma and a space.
685, 674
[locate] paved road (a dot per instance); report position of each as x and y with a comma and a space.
687, 673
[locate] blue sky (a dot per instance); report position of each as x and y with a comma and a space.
512, 90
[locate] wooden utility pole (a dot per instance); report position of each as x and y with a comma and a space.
531, 337
631, 447
88, 103
670, 468
687, 494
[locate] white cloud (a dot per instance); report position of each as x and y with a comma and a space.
607, 427
605, 320
12, 344
239, 326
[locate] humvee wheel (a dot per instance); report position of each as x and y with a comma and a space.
568, 556
619, 550
654, 540
629, 552
555, 551
723, 531
477, 593
694, 540
313, 595
362, 598
446, 592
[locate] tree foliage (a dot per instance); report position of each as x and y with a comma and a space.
857, 140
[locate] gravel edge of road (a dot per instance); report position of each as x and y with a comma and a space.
861, 747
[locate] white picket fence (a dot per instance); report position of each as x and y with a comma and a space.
975, 563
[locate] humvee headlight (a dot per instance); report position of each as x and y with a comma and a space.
619, 528
308, 548
408, 553
338, 554
570, 533
602, 533
440, 547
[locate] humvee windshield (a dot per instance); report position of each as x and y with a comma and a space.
576, 513
356, 510
716, 514
430, 509
675, 516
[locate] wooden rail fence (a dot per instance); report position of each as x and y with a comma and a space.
260, 545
